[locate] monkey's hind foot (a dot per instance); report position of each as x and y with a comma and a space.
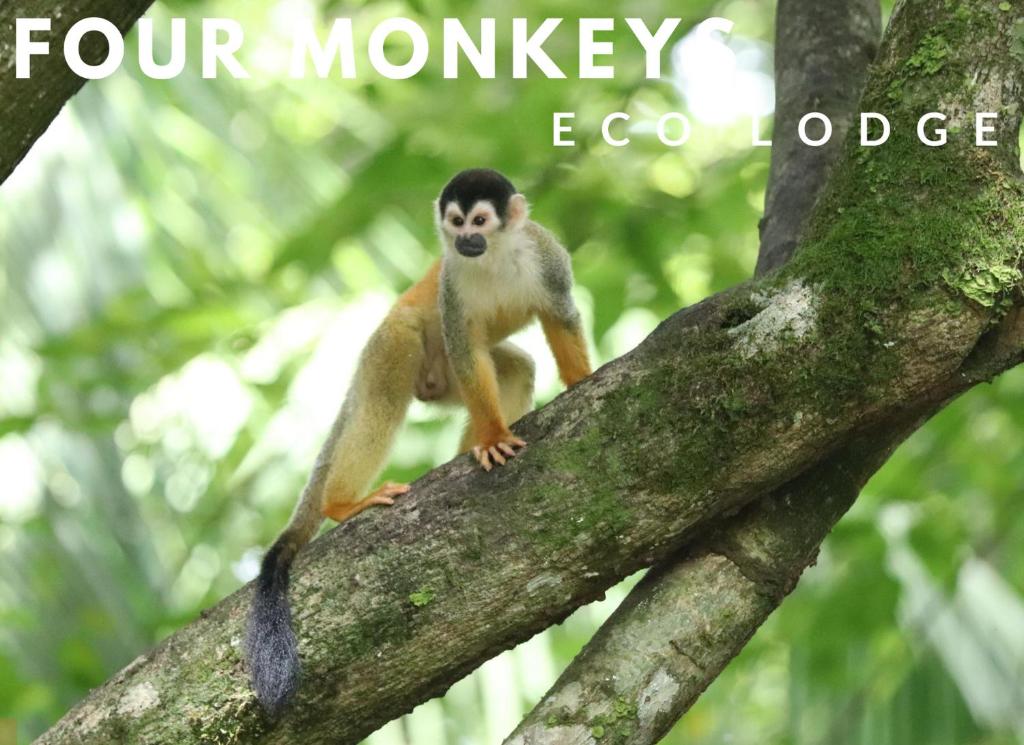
384, 495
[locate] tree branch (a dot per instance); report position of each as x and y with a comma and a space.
396, 605
724, 402
822, 53
679, 627
28, 105
686, 620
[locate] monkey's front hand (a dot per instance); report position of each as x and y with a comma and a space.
497, 450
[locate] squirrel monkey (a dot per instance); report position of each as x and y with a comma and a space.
444, 340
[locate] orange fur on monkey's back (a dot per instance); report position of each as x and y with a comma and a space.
423, 294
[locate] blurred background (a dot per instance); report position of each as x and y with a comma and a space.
190, 267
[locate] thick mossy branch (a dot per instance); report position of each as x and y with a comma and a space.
891, 214
900, 221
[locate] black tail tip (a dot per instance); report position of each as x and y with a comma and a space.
270, 643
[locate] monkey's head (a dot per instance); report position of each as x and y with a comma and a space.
477, 208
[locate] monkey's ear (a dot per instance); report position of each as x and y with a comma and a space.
518, 212
436, 204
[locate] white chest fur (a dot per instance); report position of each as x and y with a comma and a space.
507, 278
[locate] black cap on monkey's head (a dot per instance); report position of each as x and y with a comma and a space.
474, 184
476, 205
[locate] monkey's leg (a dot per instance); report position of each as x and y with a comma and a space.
373, 411
514, 370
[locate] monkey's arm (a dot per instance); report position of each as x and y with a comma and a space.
559, 316
475, 374
568, 345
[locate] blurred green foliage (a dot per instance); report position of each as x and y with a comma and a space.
190, 267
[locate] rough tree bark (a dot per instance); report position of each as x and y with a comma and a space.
28, 105
905, 282
686, 620
822, 52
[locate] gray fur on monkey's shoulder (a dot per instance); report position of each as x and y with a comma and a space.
556, 270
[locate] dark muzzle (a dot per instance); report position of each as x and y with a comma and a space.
471, 245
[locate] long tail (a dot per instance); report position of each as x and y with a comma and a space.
270, 642
356, 447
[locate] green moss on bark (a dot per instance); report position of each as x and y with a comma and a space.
904, 217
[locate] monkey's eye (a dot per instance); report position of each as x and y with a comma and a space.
458, 222
479, 220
